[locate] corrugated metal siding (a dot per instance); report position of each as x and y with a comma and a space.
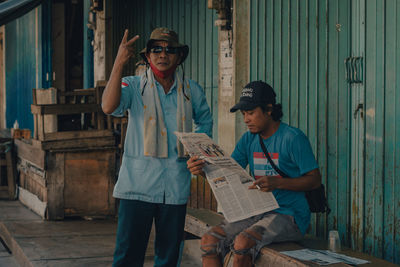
299, 48
20, 65
194, 24
382, 129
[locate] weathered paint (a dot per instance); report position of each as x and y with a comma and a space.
382, 129
296, 46
20, 69
194, 24
299, 47
357, 131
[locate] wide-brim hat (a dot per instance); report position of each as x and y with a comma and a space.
165, 34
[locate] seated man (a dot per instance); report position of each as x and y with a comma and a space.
291, 152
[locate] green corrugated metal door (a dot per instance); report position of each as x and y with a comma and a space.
376, 145
335, 67
299, 48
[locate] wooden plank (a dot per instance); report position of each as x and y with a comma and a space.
199, 220
32, 201
55, 186
32, 183
79, 143
89, 182
79, 92
65, 109
207, 195
37, 175
77, 134
30, 153
193, 192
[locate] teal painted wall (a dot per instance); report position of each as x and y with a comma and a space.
381, 216
20, 68
299, 47
194, 24
296, 47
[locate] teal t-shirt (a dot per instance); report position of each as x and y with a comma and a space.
291, 152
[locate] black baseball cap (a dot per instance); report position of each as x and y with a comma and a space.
255, 94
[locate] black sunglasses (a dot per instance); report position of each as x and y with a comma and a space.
168, 49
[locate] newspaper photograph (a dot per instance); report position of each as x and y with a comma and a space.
227, 179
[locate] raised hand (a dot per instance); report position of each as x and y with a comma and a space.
126, 49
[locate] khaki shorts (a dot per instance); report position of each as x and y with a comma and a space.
271, 226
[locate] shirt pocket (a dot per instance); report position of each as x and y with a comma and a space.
135, 163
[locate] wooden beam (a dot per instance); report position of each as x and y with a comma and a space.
65, 109
77, 134
108, 141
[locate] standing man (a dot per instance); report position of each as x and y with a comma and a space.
291, 152
153, 182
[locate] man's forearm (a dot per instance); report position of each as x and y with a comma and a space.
112, 93
309, 181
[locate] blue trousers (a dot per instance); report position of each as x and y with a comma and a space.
135, 219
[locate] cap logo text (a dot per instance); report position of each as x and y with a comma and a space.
247, 92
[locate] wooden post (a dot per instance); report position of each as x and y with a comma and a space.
35, 116
11, 173
55, 186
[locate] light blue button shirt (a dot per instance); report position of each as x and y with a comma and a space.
150, 179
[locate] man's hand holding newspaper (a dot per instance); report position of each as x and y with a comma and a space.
229, 182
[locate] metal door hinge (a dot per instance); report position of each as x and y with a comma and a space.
354, 69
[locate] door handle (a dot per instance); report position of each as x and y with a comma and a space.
360, 108
353, 67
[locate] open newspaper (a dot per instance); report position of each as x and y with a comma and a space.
228, 180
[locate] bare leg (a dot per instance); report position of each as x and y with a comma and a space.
209, 243
243, 243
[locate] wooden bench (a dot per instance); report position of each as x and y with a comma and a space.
198, 222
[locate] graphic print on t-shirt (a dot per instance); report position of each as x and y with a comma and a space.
262, 167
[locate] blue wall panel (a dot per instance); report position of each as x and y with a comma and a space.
20, 69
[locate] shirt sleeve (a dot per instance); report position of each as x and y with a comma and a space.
240, 153
201, 111
302, 154
126, 97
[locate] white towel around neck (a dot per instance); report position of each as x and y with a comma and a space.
155, 133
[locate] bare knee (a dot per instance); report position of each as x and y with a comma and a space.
208, 238
209, 241
246, 240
